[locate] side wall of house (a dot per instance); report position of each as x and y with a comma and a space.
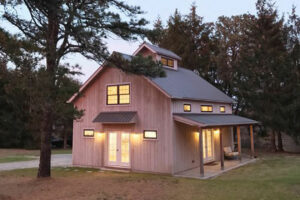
186, 146
153, 113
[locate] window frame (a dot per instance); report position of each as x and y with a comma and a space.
168, 59
88, 136
224, 109
118, 94
146, 138
187, 104
212, 108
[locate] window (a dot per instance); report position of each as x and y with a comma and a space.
222, 109
187, 107
88, 133
118, 94
150, 135
167, 62
206, 108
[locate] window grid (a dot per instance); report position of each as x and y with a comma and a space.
167, 62
222, 109
118, 94
88, 132
187, 107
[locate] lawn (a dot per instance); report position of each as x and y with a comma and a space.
16, 155
271, 177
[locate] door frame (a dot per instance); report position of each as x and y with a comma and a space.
118, 163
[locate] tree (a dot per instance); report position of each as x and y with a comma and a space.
62, 27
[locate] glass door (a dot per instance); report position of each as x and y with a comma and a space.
207, 136
119, 149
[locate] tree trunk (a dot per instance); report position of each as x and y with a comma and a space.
273, 141
47, 121
279, 140
65, 139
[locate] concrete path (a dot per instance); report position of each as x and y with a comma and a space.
61, 160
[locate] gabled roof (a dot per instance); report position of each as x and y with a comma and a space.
185, 84
178, 84
158, 50
212, 120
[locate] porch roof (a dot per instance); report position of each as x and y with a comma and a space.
212, 120
116, 117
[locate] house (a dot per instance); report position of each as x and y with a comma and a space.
159, 125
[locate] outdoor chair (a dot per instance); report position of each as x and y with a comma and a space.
229, 154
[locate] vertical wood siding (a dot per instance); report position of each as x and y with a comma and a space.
153, 112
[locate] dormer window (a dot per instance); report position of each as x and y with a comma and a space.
167, 62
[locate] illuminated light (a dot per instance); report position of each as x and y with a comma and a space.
99, 135
222, 109
217, 131
206, 108
150, 134
196, 134
187, 107
88, 132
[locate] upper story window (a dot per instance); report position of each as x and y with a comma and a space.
206, 108
167, 62
187, 108
118, 94
222, 109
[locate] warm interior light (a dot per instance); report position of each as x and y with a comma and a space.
99, 135
216, 131
196, 134
150, 134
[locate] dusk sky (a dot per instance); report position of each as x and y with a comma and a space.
209, 9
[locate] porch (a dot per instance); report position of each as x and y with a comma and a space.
213, 169
210, 126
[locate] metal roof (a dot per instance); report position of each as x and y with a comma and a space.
116, 117
212, 120
185, 84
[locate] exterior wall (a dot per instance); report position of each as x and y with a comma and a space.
153, 113
186, 146
196, 107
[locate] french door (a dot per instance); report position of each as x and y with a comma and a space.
118, 149
207, 137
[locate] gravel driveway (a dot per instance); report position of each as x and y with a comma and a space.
61, 160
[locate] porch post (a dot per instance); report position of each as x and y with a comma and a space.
201, 152
252, 141
221, 150
238, 131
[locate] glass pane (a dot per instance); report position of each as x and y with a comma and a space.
206, 108
124, 99
204, 143
124, 89
164, 61
150, 134
170, 63
222, 109
112, 147
187, 107
209, 143
210, 108
125, 147
113, 99
89, 133
111, 90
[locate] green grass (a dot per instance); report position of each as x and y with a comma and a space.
16, 158
271, 177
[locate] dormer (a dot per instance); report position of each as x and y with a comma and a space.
168, 58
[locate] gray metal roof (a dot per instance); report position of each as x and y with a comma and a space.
212, 120
116, 117
162, 51
185, 84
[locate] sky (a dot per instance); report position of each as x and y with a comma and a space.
209, 9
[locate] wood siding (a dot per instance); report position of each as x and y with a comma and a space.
186, 146
196, 107
153, 113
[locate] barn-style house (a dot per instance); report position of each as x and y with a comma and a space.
166, 125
